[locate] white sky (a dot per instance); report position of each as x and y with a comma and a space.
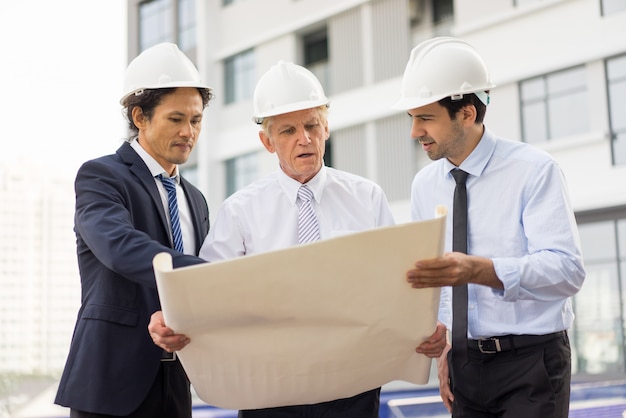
61, 71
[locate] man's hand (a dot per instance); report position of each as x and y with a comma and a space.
165, 337
453, 269
444, 379
434, 346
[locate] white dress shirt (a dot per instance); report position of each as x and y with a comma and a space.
184, 214
263, 216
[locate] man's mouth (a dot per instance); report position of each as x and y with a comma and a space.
183, 146
426, 144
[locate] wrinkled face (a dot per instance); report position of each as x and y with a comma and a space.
298, 138
440, 136
172, 132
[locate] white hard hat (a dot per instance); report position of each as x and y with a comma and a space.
160, 66
284, 88
443, 67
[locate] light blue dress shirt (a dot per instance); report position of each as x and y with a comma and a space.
519, 216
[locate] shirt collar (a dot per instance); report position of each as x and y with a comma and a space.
291, 186
476, 162
154, 167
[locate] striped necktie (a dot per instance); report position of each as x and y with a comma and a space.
308, 228
170, 185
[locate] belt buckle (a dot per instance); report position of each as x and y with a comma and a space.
173, 358
489, 345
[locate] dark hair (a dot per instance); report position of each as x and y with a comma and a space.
453, 106
149, 99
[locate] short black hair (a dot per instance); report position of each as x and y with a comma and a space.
453, 106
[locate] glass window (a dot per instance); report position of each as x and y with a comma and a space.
443, 10
315, 51
241, 171
565, 81
239, 77
616, 82
316, 48
328, 153
597, 335
533, 89
621, 238
554, 105
612, 6
568, 114
535, 123
155, 23
186, 24
618, 105
190, 173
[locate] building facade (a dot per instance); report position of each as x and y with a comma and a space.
39, 281
560, 70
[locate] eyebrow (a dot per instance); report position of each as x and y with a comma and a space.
291, 124
179, 113
421, 115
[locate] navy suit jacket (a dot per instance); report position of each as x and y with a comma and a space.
120, 225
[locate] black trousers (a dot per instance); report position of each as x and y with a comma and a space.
532, 381
169, 396
364, 405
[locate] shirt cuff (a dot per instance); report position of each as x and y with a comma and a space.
508, 273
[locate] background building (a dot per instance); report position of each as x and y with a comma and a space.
39, 282
560, 70
39, 285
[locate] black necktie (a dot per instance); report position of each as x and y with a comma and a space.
459, 293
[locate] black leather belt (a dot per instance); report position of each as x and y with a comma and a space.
168, 356
494, 345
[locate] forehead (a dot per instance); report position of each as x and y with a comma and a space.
182, 96
427, 110
297, 117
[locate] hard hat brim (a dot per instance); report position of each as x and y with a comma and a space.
408, 103
291, 107
164, 86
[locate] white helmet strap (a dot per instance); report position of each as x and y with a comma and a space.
483, 96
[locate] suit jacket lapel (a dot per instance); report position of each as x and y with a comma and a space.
140, 170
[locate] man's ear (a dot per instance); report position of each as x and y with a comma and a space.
468, 115
265, 140
139, 119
